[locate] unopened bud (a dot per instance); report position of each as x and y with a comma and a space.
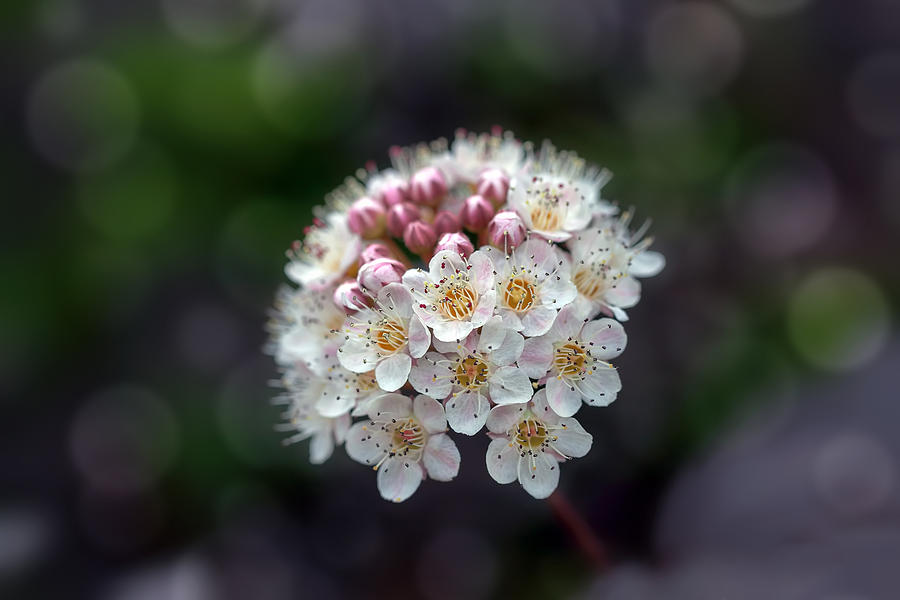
506, 230
401, 215
419, 237
350, 296
366, 218
455, 242
476, 213
375, 275
446, 222
493, 184
427, 186
373, 251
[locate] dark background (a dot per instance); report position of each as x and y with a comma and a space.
159, 157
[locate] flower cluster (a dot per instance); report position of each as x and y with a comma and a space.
479, 285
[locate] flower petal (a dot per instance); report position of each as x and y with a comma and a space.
398, 298
564, 400
335, 400
450, 331
430, 414
537, 355
482, 272
538, 475
419, 337
510, 385
510, 350
320, 447
503, 418
357, 355
571, 440
441, 457
502, 460
601, 386
366, 444
399, 478
393, 372
485, 308
467, 412
606, 338
392, 406
538, 320
647, 264
624, 293
430, 376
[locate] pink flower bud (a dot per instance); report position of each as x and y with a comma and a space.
493, 184
455, 242
427, 186
366, 218
375, 275
506, 230
350, 296
446, 222
476, 213
393, 191
419, 237
401, 215
373, 251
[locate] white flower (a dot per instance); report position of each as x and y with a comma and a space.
404, 441
474, 373
327, 253
572, 356
455, 296
473, 153
302, 417
385, 338
605, 263
530, 441
533, 283
304, 324
559, 195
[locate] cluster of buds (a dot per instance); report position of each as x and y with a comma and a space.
478, 286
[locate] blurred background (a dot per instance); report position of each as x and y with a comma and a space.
158, 157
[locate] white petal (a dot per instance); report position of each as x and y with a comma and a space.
510, 350
491, 336
366, 443
538, 320
606, 337
502, 460
398, 479
335, 400
415, 279
320, 447
419, 337
541, 408
647, 264
619, 313
538, 254
558, 290
340, 426
391, 406
467, 412
447, 330
510, 385
430, 414
503, 418
562, 398
537, 354
393, 372
441, 457
601, 386
568, 322
539, 476
398, 298
430, 376
482, 272
485, 308
624, 293
357, 355
571, 439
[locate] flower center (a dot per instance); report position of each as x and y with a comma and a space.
545, 217
458, 302
519, 294
531, 433
389, 336
590, 284
471, 373
571, 359
408, 438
